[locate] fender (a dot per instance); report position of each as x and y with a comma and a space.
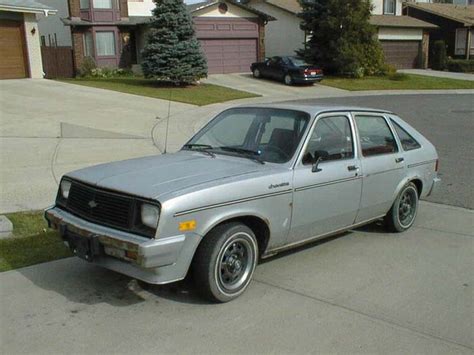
404, 182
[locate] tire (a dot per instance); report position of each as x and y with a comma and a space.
225, 261
256, 73
403, 213
288, 80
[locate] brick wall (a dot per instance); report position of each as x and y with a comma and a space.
74, 8
123, 8
78, 47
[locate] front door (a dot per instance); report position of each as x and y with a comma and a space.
327, 198
382, 164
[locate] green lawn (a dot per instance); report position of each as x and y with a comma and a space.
203, 94
32, 243
410, 82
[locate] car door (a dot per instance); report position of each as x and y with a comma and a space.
382, 164
327, 199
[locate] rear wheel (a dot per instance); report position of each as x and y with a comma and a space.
256, 73
288, 79
403, 212
225, 261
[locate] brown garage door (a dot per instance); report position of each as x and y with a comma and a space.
12, 47
229, 55
402, 54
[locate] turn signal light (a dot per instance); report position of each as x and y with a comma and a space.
131, 255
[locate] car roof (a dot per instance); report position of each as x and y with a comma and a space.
314, 110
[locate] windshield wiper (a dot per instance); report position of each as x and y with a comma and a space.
202, 148
251, 154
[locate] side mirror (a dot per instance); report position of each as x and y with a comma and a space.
318, 157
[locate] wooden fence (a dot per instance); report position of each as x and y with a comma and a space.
57, 62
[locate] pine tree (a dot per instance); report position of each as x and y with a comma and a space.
341, 40
172, 51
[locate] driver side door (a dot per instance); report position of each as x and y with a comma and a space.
327, 199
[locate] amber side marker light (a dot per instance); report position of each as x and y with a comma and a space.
187, 225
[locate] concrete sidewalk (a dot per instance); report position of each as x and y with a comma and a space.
439, 74
366, 291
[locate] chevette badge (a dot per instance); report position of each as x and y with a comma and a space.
274, 186
93, 204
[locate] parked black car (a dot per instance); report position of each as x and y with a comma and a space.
290, 70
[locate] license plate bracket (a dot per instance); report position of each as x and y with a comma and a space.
87, 248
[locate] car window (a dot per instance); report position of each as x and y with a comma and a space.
271, 134
332, 138
375, 136
408, 142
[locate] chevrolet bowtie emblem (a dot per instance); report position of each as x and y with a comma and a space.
92, 204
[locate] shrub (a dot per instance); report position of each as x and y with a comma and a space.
439, 55
461, 65
109, 73
388, 69
87, 66
398, 77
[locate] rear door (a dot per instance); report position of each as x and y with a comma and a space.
328, 199
383, 164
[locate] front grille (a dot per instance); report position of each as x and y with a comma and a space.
104, 207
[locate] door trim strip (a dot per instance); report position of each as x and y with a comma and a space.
338, 181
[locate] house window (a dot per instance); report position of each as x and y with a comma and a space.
88, 44
461, 40
85, 4
102, 4
105, 43
389, 7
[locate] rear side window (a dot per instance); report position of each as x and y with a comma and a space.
408, 142
375, 136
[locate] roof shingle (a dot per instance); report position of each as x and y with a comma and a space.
459, 13
399, 21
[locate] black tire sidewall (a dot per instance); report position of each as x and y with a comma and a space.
219, 238
395, 223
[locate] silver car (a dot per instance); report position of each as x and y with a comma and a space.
253, 182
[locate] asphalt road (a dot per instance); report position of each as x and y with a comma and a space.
447, 120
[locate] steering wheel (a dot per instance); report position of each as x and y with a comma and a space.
277, 150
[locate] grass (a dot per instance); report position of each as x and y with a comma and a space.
31, 244
203, 94
409, 82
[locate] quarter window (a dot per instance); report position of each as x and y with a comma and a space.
88, 44
389, 7
105, 43
375, 136
331, 138
408, 142
102, 4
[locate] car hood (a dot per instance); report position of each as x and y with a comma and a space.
153, 176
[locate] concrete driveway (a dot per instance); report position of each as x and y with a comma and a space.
49, 128
366, 291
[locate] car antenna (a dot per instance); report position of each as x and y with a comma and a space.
167, 122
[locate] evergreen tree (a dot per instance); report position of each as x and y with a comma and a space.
341, 40
172, 51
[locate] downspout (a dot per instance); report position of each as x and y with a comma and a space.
468, 44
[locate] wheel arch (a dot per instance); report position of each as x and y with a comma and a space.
417, 180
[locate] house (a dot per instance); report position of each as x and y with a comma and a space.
455, 25
283, 36
19, 38
113, 32
404, 39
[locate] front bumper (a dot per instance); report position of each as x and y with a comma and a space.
156, 261
435, 186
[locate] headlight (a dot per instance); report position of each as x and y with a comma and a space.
65, 187
150, 215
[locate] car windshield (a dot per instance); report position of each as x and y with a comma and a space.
298, 62
262, 134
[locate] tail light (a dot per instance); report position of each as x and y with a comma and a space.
437, 165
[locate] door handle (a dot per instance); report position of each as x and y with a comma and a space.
399, 160
353, 168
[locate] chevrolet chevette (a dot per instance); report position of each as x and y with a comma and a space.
255, 181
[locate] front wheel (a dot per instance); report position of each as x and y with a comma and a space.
403, 212
225, 261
